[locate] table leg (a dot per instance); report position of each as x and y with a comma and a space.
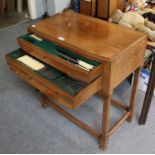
148, 96
105, 122
134, 93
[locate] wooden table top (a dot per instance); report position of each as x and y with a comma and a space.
88, 36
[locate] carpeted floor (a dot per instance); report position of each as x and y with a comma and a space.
27, 128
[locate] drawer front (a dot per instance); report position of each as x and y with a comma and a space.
61, 64
48, 88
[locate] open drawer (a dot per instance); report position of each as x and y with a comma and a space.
64, 60
48, 80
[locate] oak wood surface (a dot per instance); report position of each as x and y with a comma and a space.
120, 104
127, 63
119, 123
87, 35
134, 93
59, 63
46, 87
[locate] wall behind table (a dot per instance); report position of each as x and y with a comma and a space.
55, 6
36, 8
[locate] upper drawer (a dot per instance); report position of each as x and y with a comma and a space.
48, 80
64, 60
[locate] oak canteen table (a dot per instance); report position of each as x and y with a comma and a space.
79, 56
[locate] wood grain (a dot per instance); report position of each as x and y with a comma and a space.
59, 63
46, 87
87, 36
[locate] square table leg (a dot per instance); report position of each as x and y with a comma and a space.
105, 122
134, 93
107, 96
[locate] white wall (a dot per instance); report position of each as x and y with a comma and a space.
54, 6
51, 7
36, 8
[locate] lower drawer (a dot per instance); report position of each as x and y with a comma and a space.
67, 90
